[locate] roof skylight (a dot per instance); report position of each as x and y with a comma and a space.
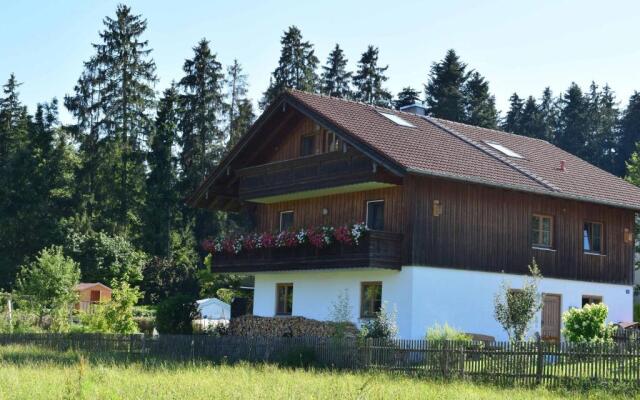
397, 120
504, 150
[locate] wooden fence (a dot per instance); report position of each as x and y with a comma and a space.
527, 363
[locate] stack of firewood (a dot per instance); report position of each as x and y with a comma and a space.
250, 325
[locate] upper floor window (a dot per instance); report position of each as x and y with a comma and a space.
307, 145
332, 142
375, 215
588, 299
592, 237
542, 230
370, 299
284, 298
286, 220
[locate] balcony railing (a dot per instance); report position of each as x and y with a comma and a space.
376, 249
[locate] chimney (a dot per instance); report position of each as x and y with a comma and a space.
563, 164
415, 108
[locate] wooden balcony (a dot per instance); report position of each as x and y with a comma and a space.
317, 175
376, 250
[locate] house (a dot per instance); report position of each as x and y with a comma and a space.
214, 309
91, 293
453, 211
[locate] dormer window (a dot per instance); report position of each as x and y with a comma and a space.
504, 150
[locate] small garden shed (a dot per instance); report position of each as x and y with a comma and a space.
91, 293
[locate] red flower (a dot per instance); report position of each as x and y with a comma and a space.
208, 245
268, 240
343, 235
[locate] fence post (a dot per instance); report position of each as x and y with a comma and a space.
539, 359
445, 370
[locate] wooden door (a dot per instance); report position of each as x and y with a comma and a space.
551, 317
95, 296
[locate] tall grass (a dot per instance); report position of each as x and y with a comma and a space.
35, 373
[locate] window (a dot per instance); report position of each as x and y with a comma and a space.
284, 298
542, 230
332, 142
375, 215
397, 120
504, 150
370, 299
592, 237
307, 145
286, 220
588, 299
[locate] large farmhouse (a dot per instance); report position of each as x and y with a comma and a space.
452, 210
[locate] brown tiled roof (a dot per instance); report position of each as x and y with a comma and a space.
443, 148
86, 285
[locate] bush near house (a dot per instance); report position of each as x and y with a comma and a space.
588, 324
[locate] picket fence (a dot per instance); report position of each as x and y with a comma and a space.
527, 363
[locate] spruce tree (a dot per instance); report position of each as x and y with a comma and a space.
549, 112
369, 79
407, 97
602, 135
203, 138
296, 67
630, 134
444, 92
240, 110
531, 123
335, 80
162, 188
573, 122
513, 120
479, 104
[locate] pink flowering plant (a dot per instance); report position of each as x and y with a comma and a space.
318, 237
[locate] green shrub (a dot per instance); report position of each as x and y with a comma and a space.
115, 316
175, 314
587, 324
383, 326
440, 333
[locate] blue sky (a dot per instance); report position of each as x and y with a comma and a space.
518, 46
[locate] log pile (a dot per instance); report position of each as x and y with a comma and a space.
249, 325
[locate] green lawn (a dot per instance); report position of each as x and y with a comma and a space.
30, 373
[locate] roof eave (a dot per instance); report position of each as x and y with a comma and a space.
520, 188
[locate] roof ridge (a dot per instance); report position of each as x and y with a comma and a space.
500, 158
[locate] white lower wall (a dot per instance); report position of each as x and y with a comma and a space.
423, 296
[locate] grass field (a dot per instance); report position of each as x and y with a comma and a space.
33, 373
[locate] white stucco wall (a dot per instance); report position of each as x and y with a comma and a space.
426, 295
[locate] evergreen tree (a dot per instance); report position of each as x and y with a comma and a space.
531, 123
513, 121
203, 139
112, 101
335, 77
162, 179
549, 112
445, 97
369, 78
602, 136
296, 67
479, 104
573, 122
407, 97
630, 134
240, 110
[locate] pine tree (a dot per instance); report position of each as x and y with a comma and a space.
549, 112
479, 104
111, 103
629, 134
203, 138
162, 180
296, 67
369, 79
335, 77
444, 92
513, 120
531, 123
602, 135
240, 110
406, 97
573, 122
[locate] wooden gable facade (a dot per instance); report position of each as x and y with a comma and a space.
297, 162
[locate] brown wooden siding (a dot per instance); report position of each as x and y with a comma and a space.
342, 208
489, 229
289, 147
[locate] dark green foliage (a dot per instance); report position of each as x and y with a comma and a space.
240, 109
629, 132
335, 77
369, 79
479, 103
444, 91
296, 67
407, 97
573, 121
174, 315
513, 121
